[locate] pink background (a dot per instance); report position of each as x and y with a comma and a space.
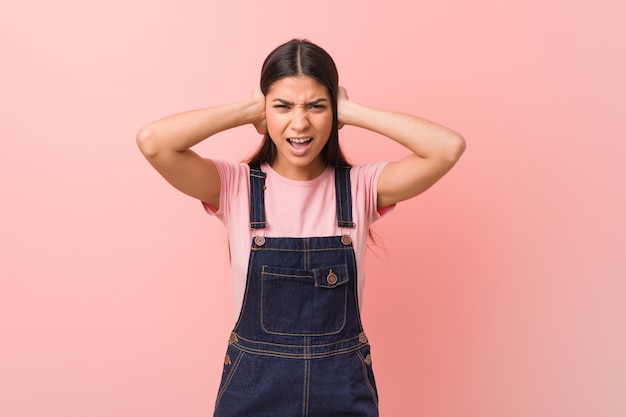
500, 292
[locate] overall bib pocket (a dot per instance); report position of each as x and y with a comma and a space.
312, 302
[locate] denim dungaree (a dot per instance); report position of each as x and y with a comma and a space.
298, 348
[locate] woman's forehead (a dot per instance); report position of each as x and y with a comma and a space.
298, 89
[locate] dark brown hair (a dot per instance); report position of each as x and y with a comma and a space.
294, 58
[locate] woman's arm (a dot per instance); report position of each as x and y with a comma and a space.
435, 148
166, 144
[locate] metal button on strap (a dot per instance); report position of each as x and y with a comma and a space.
346, 240
331, 278
259, 240
362, 337
233, 338
227, 360
368, 359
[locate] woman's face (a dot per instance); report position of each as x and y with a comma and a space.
299, 120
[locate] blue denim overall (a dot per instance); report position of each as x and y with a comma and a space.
298, 348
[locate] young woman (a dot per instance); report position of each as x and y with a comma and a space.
298, 220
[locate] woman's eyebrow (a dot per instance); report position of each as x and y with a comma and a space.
312, 103
318, 101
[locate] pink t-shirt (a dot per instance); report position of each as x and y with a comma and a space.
294, 209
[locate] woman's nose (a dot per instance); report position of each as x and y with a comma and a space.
300, 121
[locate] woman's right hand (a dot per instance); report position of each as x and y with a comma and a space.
342, 104
260, 124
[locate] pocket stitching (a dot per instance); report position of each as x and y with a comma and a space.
229, 378
367, 378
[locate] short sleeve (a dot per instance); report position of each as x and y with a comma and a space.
365, 186
233, 181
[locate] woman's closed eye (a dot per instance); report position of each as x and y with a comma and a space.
318, 107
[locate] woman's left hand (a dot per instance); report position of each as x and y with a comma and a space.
434, 148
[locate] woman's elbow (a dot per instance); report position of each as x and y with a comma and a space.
454, 148
147, 143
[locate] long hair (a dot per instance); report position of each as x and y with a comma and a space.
295, 58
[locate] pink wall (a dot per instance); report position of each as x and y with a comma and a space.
500, 292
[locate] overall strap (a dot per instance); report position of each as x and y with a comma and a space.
343, 196
257, 198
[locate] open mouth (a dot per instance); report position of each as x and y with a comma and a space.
300, 146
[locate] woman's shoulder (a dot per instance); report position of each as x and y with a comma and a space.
231, 171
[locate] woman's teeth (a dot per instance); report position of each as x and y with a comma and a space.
299, 140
